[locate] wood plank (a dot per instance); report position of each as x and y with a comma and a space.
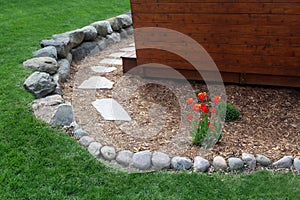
212, 8
228, 67
220, 30
229, 19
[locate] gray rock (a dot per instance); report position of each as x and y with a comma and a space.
79, 133
103, 28
249, 160
142, 160
285, 162
123, 34
219, 163
102, 44
114, 23
108, 153
129, 30
42, 64
85, 141
72, 38
235, 163
62, 45
40, 84
64, 70
124, 20
297, 164
124, 158
69, 57
90, 33
64, 115
181, 163
94, 148
49, 51
201, 164
263, 160
160, 160
113, 38
85, 49
58, 89
45, 108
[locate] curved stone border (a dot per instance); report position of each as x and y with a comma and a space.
52, 67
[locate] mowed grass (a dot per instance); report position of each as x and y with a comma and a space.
38, 162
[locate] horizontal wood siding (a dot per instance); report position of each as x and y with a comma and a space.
259, 38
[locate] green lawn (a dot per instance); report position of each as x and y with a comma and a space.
37, 162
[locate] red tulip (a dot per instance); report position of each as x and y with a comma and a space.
201, 96
217, 99
190, 100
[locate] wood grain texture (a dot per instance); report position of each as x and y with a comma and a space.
257, 38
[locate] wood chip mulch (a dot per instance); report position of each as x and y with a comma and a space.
269, 123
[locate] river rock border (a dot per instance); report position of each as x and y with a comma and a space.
52, 67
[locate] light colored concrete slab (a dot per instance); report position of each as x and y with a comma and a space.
117, 54
111, 110
128, 49
97, 82
109, 61
132, 45
102, 69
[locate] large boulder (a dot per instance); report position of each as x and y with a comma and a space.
124, 158
49, 51
85, 49
201, 164
64, 70
45, 108
42, 64
160, 160
90, 33
40, 84
103, 28
64, 115
75, 37
113, 38
62, 45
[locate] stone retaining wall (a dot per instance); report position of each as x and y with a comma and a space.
52, 67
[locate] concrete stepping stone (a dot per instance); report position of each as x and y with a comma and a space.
110, 61
127, 49
111, 110
97, 82
102, 69
117, 54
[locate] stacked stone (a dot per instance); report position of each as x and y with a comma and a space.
51, 65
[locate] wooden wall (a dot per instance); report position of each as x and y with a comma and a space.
251, 41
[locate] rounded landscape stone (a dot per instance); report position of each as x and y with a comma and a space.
79, 133
85, 141
94, 148
124, 158
263, 160
235, 163
219, 163
297, 164
181, 163
108, 152
142, 160
249, 160
201, 164
160, 160
285, 162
